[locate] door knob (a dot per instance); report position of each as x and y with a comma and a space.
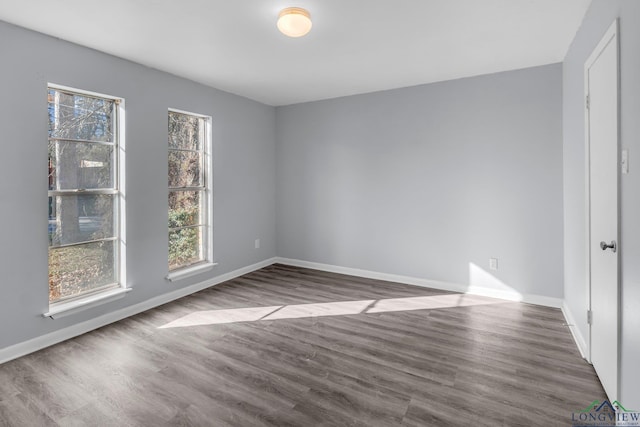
612, 246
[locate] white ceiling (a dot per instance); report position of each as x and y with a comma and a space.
355, 46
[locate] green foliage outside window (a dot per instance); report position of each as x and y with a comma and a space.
184, 243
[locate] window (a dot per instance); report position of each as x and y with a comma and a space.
84, 194
189, 190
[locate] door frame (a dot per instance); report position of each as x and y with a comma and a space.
610, 36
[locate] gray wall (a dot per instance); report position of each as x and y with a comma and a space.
428, 180
598, 18
244, 173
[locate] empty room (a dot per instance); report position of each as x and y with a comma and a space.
320, 213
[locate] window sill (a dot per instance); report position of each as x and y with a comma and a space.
66, 308
183, 273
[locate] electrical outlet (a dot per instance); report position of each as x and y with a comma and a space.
493, 263
257, 244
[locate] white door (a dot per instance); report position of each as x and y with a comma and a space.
601, 84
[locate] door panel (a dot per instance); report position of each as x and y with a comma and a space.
602, 114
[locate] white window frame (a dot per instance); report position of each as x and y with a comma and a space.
92, 299
207, 205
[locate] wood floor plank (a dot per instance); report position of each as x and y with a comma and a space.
386, 360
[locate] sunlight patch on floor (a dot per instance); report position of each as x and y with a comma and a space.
340, 308
336, 308
429, 302
217, 317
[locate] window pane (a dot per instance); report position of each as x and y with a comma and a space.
184, 131
185, 247
74, 165
187, 218
184, 208
80, 218
185, 169
78, 269
75, 116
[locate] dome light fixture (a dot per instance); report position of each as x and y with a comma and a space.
294, 21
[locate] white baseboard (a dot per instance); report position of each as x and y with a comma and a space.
38, 343
581, 343
435, 284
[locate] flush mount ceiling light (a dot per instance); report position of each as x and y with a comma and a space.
294, 21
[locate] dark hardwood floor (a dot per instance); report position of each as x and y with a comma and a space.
286, 346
